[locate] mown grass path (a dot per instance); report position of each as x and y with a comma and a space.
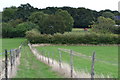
30, 67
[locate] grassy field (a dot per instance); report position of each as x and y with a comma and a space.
106, 53
79, 30
11, 43
30, 67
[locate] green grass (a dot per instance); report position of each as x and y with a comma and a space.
79, 30
30, 67
106, 53
11, 43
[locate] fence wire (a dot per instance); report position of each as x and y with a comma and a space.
87, 57
9, 62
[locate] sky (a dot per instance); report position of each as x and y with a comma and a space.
91, 4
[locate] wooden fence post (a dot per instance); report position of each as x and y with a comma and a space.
44, 52
11, 59
71, 63
92, 66
60, 60
53, 57
48, 58
42, 55
6, 65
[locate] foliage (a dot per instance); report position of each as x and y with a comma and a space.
104, 25
117, 22
18, 31
108, 15
8, 14
73, 38
67, 19
7, 30
23, 27
116, 30
50, 24
56, 19
24, 11
82, 17
14, 23
39, 18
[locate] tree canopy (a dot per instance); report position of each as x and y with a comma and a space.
82, 17
60, 22
104, 25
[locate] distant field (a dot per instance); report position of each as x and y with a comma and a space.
79, 30
30, 67
105, 53
10, 43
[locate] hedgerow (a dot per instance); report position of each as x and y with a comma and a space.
73, 38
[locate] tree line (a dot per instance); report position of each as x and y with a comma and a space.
82, 17
17, 20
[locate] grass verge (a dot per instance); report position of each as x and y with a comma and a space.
30, 67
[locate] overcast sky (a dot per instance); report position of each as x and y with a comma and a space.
91, 4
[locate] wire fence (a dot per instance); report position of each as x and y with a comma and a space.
56, 60
9, 62
62, 56
88, 57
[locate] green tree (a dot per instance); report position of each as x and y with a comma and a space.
67, 19
49, 24
23, 27
104, 25
108, 15
39, 18
8, 14
14, 22
24, 11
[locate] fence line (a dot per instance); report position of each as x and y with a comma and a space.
71, 63
87, 57
92, 66
9, 63
65, 68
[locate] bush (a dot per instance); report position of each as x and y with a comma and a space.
18, 31
23, 27
116, 30
73, 38
104, 25
7, 30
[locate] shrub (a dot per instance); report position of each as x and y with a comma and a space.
104, 25
18, 31
73, 38
116, 30
23, 27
